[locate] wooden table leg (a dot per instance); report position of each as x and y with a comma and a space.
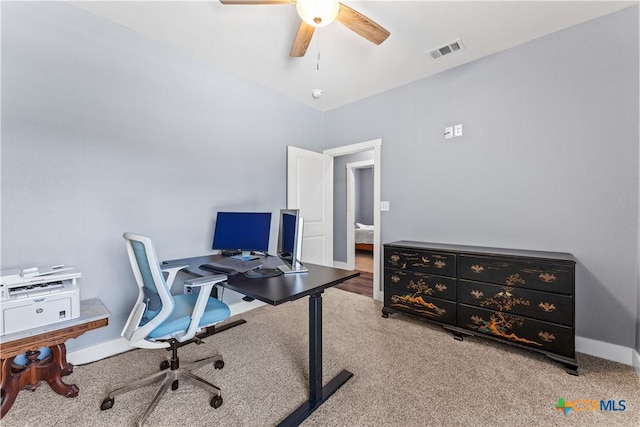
10, 387
50, 369
58, 367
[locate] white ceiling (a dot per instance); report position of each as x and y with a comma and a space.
254, 41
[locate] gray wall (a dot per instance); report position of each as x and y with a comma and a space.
548, 159
340, 200
637, 365
105, 131
364, 195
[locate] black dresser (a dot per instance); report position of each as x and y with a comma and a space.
522, 298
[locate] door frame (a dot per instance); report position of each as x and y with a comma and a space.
376, 146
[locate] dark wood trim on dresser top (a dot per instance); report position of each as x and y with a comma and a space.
518, 297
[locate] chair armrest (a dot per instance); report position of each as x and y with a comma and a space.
205, 284
201, 281
172, 272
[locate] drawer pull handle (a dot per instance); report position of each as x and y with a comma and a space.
395, 279
547, 306
477, 268
477, 294
546, 277
515, 280
546, 336
440, 264
440, 287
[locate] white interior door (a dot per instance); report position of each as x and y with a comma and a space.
310, 189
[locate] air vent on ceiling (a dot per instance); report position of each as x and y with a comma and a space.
446, 49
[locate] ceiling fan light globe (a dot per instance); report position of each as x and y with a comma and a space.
318, 13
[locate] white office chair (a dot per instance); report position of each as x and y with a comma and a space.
162, 320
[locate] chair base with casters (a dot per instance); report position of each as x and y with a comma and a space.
170, 374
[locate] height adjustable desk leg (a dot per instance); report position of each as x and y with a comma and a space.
315, 348
317, 393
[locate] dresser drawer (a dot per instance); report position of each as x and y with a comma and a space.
530, 274
426, 284
421, 305
521, 330
443, 264
545, 306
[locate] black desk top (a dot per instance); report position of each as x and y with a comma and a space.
279, 289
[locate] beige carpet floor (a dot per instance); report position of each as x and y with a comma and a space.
406, 373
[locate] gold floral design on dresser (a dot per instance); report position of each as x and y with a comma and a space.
546, 336
414, 259
440, 287
546, 277
505, 299
501, 325
416, 302
420, 287
418, 261
547, 306
440, 264
514, 280
395, 279
477, 268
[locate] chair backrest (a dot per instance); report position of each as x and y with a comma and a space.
155, 302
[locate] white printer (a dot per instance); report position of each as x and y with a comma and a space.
38, 296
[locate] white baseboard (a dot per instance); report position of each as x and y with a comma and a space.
120, 345
605, 350
98, 351
341, 265
636, 362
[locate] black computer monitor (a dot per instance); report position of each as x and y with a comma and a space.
290, 241
242, 232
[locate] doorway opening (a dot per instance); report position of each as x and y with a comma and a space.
361, 256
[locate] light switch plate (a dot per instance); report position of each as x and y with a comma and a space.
384, 206
448, 132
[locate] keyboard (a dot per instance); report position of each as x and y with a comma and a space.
234, 264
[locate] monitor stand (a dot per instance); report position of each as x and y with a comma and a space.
245, 256
298, 268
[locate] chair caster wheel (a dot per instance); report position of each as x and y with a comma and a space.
107, 403
219, 364
164, 365
216, 402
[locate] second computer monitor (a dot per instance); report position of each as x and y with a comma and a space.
290, 241
242, 231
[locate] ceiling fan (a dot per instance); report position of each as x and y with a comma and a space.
318, 13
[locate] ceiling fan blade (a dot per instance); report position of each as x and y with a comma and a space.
361, 25
302, 40
257, 1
